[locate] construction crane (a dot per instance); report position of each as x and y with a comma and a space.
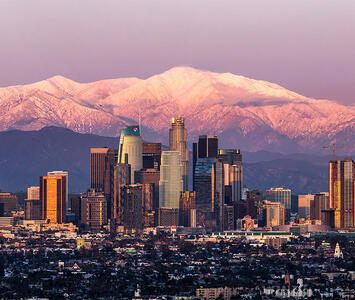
333, 147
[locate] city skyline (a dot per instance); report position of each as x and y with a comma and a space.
212, 182
181, 150
123, 217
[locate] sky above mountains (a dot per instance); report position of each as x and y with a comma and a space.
306, 46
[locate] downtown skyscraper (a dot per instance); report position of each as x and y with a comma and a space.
102, 161
210, 193
342, 192
94, 210
131, 143
64, 174
178, 142
170, 183
233, 173
33, 204
53, 198
207, 147
279, 194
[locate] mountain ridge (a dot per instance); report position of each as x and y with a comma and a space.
245, 113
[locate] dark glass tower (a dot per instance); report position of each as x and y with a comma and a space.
151, 155
131, 207
207, 147
209, 187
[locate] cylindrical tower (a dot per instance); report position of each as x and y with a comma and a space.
131, 143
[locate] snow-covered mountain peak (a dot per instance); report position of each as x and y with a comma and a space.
246, 113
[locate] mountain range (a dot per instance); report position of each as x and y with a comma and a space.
26, 155
249, 114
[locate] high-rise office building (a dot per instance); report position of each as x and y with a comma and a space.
33, 193
320, 203
110, 162
149, 176
131, 207
342, 192
304, 205
209, 185
233, 173
151, 155
136, 204
274, 213
131, 143
170, 183
102, 160
255, 203
328, 217
168, 217
187, 209
229, 219
94, 210
279, 194
33, 204
207, 147
9, 202
97, 168
53, 198
75, 205
240, 209
148, 204
121, 177
102, 164
230, 156
178, 142
64, 174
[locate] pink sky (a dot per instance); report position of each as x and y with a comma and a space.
307, 46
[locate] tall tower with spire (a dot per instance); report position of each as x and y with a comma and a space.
178, 142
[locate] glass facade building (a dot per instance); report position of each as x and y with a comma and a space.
151, 155
233, 173
209, 185
64, 174
342, 192
207, 147
53, 198
131, 143
170, 183
304, 205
